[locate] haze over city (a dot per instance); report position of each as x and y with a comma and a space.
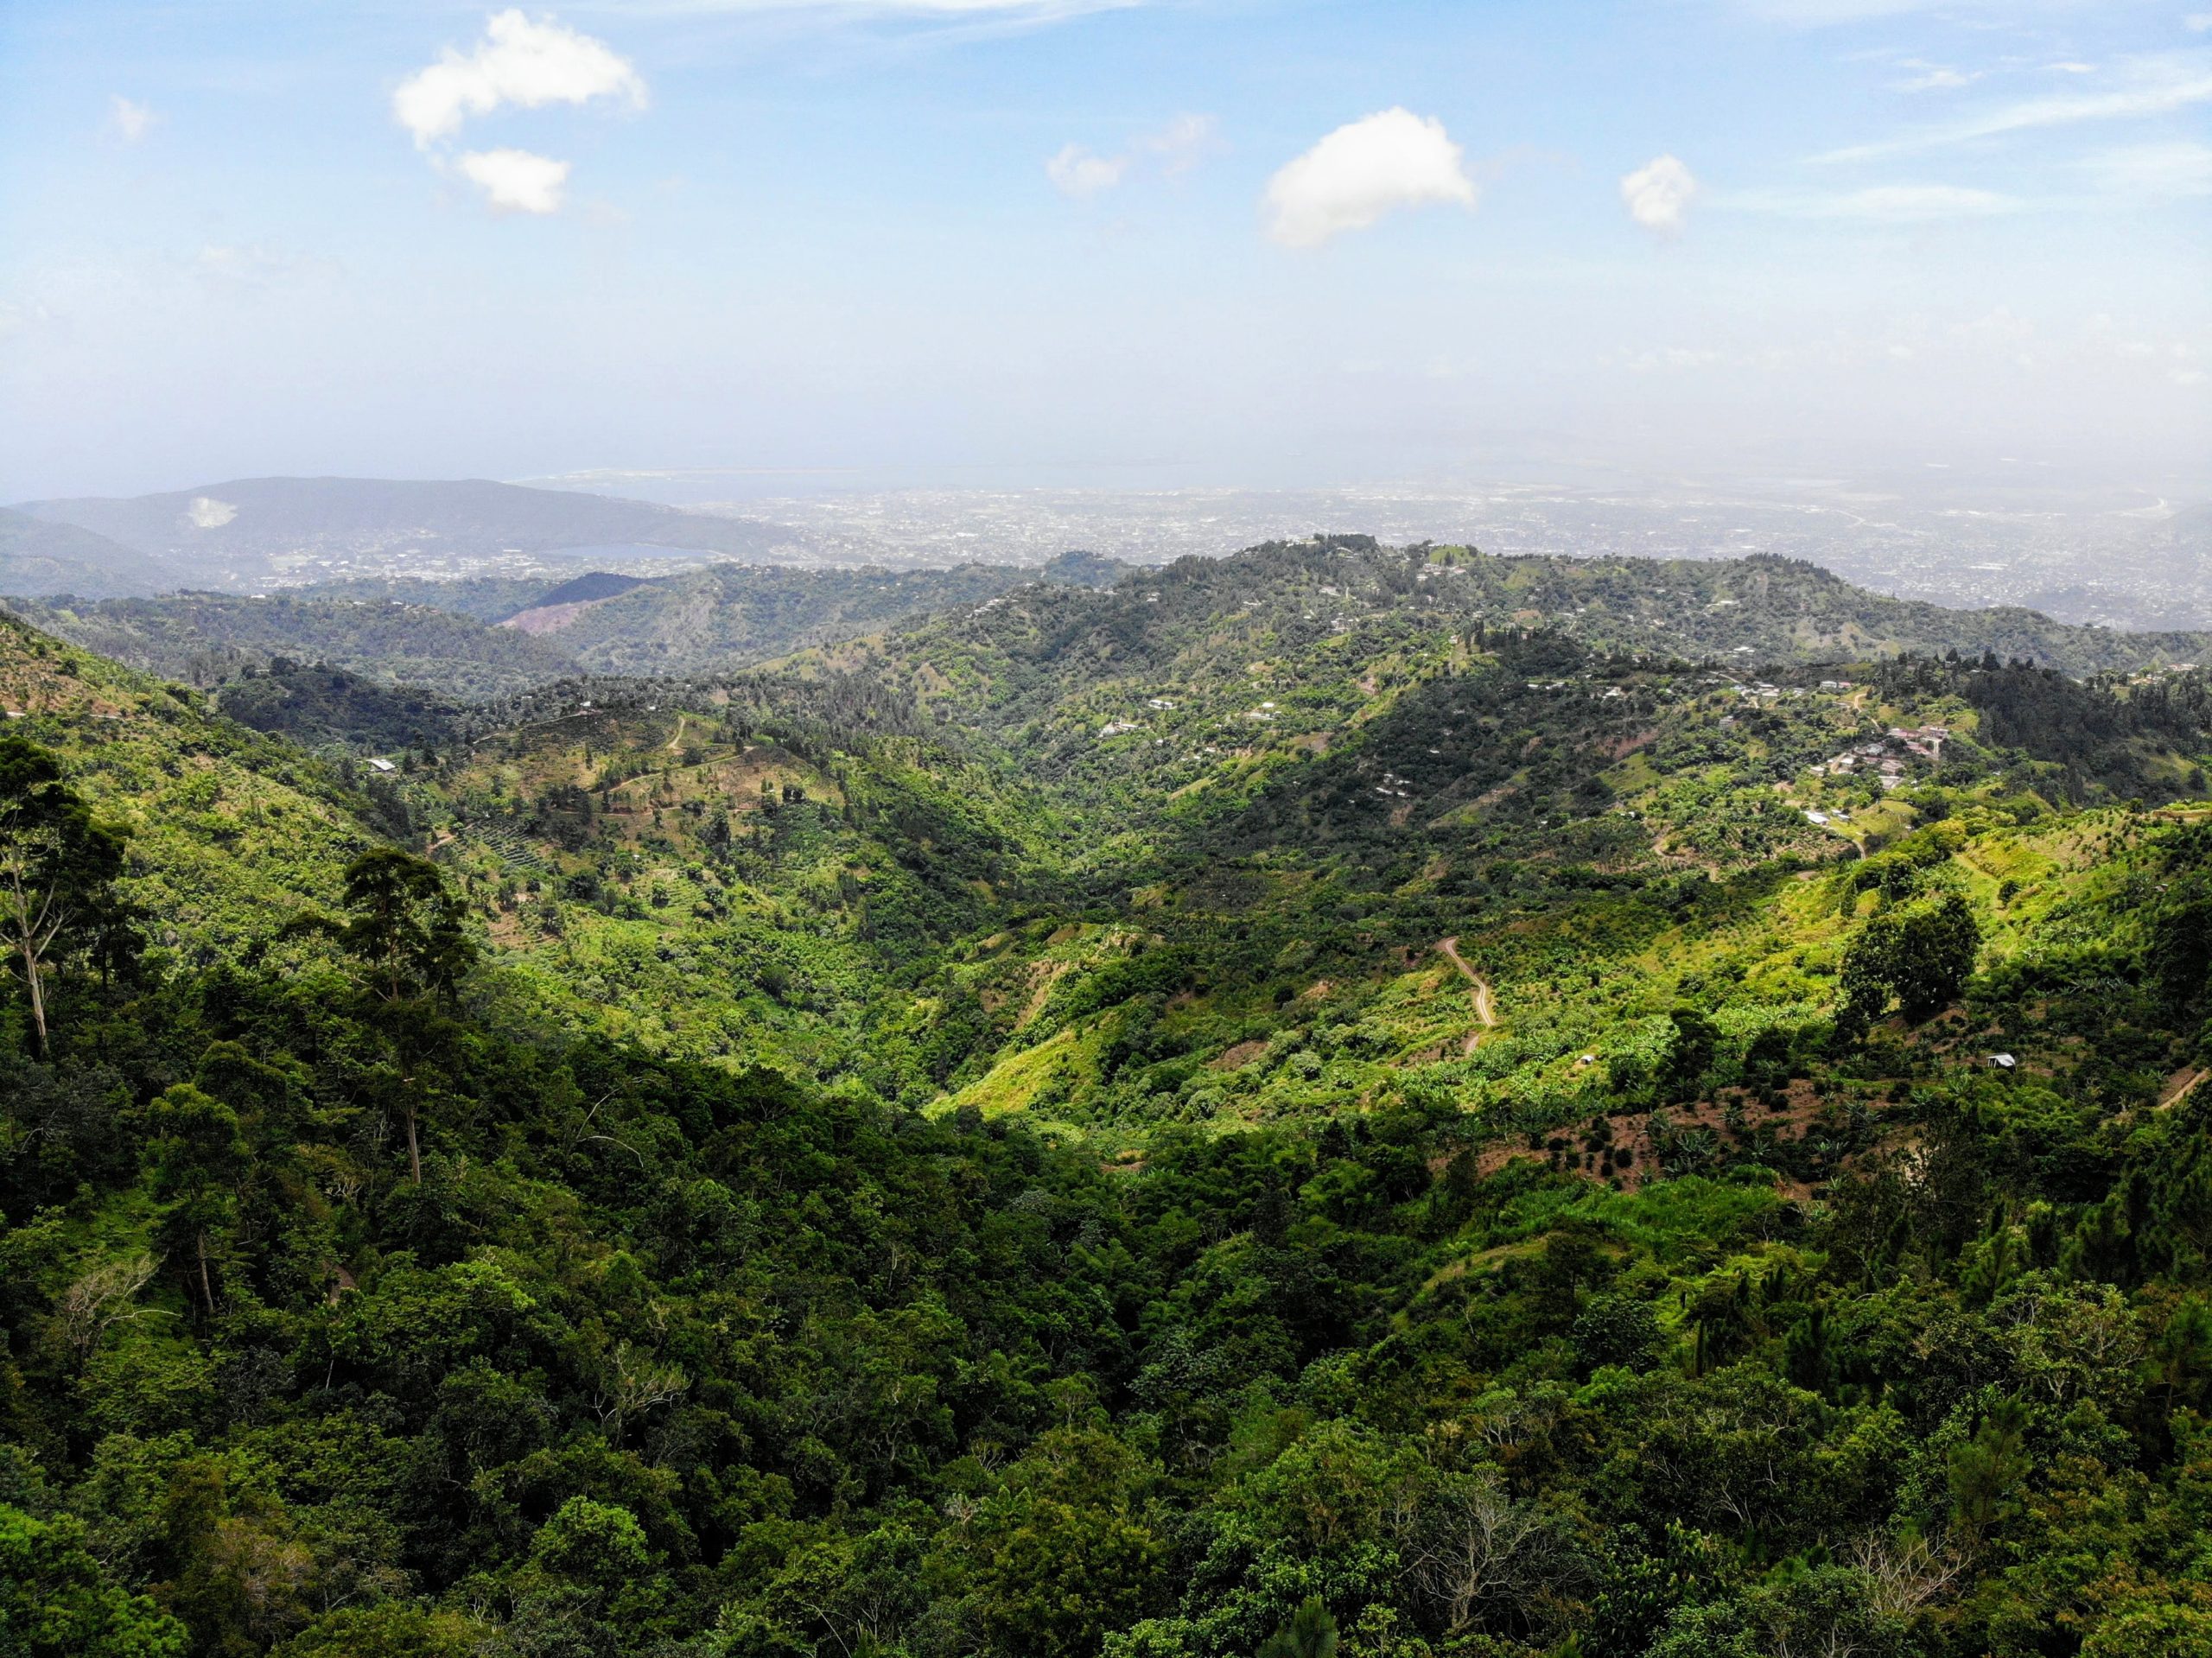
1105, 829
948, 244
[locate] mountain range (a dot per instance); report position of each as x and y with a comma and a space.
251, 532
1343, 1098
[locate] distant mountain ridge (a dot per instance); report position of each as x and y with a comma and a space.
485, 638
206, 638
38, 559
587, 589
994, 645
252, 530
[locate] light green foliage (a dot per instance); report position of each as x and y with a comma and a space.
55, 1602
750, 1166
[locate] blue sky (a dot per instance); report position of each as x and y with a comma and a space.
1249, 242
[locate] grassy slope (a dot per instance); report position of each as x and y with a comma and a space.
231, 833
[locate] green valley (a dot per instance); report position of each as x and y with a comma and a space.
1343, 1099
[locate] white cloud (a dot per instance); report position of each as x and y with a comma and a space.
1658, 195
514, 180
1081, 172
130, 121
1933, 78
526, 64
1885, 203
1077, 173
1362, 171
1179, 145
2158, 86
2163, 171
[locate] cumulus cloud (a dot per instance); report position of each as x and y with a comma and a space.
1077, 173
129, 122
525, 64
1658, 195
516, 182
1181, 144
1362, 171
1081, 173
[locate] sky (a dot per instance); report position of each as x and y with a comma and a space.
803, 243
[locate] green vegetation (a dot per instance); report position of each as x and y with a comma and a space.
1099, 1126
206, 637
490, 637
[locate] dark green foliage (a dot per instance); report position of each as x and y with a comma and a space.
57, 870
406, 927
1918, 957
770, 1176
1311, 1633
56, 1601
317, 703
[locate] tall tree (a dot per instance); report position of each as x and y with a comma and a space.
407, 929
406, 926
57, 876
198, 1156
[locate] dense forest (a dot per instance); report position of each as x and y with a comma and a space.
1210, 1120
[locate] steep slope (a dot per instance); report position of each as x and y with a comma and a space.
1312, 605
316, 705
1582, 827
740, 871
230, 832
491, 636
551, 611
1503, 1213
728, 615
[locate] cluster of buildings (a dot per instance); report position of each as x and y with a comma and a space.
1887, 756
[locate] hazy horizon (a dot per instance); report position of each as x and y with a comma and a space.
994, 242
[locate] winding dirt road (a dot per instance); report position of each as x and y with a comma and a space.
1485, 1004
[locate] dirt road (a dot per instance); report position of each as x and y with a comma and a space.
1485, 1003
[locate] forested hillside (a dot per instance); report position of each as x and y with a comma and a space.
728, 614
484, 637
206, 638
1308, 1105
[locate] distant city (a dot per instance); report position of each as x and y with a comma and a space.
2078, 554
2121, 561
